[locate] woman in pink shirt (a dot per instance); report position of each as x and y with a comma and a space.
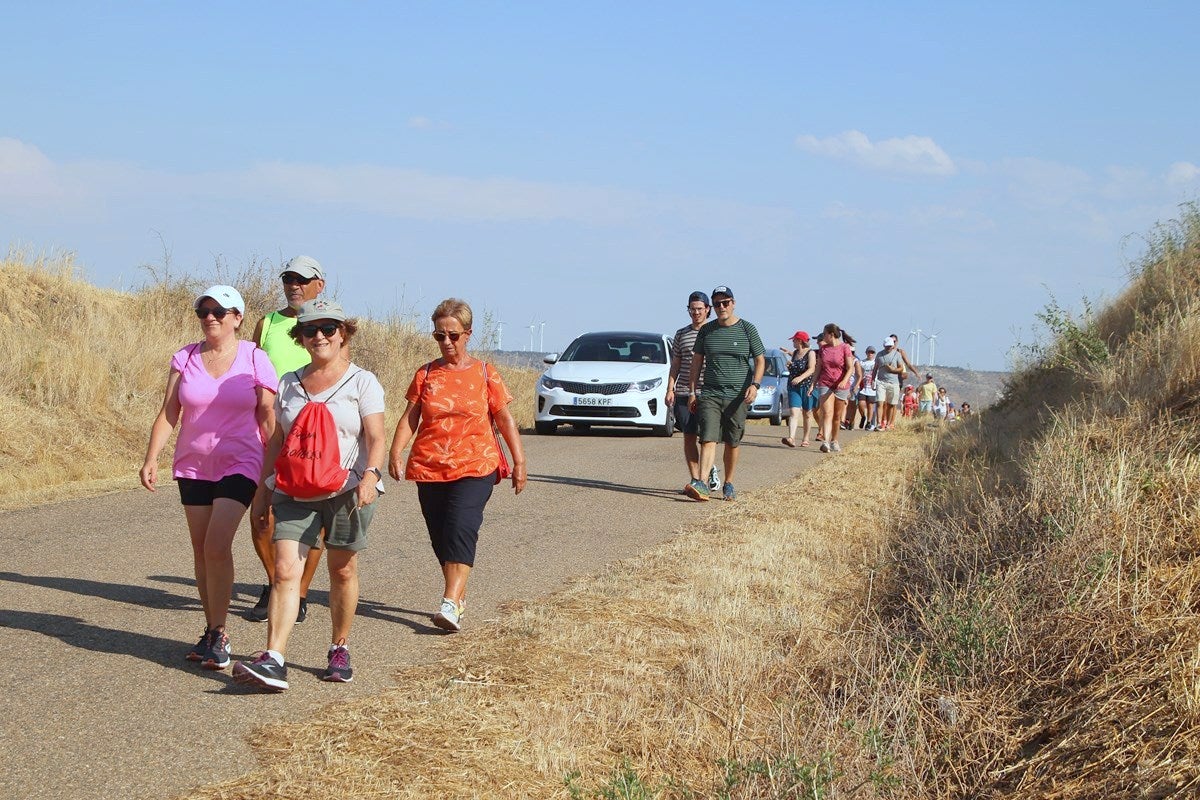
833, 385
220, 391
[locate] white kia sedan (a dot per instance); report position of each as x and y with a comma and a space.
610, 378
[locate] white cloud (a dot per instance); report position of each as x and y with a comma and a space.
1182, 172
911, 154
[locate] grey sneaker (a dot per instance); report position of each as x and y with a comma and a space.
263, 672
834, 447
714, 479
449, 616
696, 490
339, 669
201, 647
217, 655
259, 612
727, 491
824, 447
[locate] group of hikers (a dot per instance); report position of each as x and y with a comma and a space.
288, 427
717, 368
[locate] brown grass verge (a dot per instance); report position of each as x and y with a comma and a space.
86, 367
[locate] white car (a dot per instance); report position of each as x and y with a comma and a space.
608, 378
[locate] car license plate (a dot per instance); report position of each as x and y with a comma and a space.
593, 401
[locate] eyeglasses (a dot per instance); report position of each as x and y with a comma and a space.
217, 312
328, 328
290, 278
697, 309
453, 336
723, 303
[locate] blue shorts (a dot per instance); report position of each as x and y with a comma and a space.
798, 398
686, 422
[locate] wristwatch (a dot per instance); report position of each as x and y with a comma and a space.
378, 474
756, 385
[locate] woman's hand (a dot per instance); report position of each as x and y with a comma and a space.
519, 477
367, 493
396, 464
149, 475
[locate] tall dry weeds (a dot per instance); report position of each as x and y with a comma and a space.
86, 368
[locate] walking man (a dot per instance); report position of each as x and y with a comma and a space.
889, 372
724, 351
679, 393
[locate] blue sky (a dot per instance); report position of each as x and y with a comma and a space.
884, 166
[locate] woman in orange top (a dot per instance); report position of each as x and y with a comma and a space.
455, 456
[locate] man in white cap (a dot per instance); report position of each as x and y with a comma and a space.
303, 279
891, 368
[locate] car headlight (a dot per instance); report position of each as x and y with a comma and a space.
550, 383
767, 391
646, 386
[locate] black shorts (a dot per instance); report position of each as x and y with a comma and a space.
454, 514
685, 421
193, 492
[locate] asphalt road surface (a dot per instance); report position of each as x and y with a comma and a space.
98, 607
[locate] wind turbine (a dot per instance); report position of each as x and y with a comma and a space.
915, 335
932, 339
499, 336
542, 336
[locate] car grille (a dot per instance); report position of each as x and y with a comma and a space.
611, 412
595, 388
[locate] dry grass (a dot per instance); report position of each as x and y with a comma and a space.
85, 370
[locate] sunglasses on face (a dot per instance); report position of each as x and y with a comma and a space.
217, 312
722, 303
453, 336
291, 278
328, 328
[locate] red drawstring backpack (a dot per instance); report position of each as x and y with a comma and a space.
310, 462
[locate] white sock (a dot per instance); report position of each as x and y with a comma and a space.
278, 656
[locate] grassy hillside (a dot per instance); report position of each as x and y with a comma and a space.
85, 370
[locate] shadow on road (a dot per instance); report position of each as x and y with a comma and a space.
591, 483
77, 633
119, 592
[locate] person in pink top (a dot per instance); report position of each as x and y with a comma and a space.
833, 385
220, 392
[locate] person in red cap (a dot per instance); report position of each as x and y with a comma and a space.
800, 374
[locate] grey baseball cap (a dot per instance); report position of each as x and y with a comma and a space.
305, 267
320, 308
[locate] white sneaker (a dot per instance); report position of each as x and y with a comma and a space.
449, 615
714, 479
824, 447
834, 447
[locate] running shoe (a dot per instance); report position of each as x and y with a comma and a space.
339, 669
263, 672
727, 491
714, 479
217, 655
302, 612
696, 490
259, 612
824, 447
201, 647
448, 616
834, 447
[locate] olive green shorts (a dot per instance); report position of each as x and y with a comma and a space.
302, 521
722, 418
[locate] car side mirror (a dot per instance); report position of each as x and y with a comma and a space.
550, 358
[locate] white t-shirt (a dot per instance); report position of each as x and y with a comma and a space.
358, 394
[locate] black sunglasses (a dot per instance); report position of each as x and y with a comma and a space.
454, 336
290, 278
217, 312
328, 328
722, 303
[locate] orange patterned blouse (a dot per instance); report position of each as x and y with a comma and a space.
454, 438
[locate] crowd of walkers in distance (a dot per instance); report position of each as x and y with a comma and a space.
717, 368
288, 427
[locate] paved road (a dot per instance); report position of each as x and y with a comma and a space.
97, 607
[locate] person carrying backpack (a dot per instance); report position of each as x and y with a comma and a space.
322, 471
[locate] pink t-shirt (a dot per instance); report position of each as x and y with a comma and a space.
833, 364
218, 432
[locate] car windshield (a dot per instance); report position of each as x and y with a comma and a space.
613, 347
772, 370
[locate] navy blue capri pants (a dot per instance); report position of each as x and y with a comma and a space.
453, 513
